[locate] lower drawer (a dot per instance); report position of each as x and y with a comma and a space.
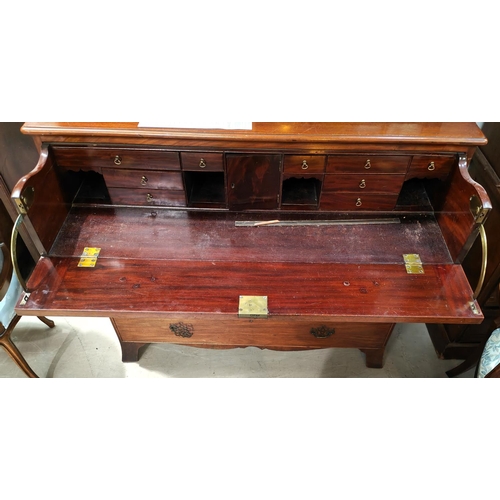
243, 332
356, 201
143, 197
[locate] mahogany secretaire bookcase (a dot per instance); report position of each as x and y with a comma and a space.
286, 236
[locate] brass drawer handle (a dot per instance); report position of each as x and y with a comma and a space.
305, 166
149, 197
144, 180
368, 164
322, 332
431, 166
118, 160
358, 202
362, 184
202, 163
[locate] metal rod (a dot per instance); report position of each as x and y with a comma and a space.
13, 251
352, 222
484, 263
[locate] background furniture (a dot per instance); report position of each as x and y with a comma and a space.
288, 236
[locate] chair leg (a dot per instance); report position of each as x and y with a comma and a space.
13, 351
48, 322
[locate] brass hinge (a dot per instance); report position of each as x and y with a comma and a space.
89, 257
413, 263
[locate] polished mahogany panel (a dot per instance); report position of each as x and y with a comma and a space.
253, 181
380, 293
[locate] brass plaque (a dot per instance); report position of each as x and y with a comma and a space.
253, 306
413, 263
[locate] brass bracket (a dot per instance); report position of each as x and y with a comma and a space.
89, 257
25, 201
413, 263
476, 207
253, 306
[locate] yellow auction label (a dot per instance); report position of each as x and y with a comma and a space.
87, 262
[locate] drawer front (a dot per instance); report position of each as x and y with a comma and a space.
142, 179
97, 158
368, 164
270, 332
309, 164
202, 161
364, 183
354, 201
435, 167
143, 197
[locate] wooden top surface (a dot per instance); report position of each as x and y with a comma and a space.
467, 134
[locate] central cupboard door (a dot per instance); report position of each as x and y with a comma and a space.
253, 181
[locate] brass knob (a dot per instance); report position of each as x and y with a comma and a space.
358, 202
368, 164
149, 197
118, 160
305, 166
202, 163
144, 180
362, 184
431, 166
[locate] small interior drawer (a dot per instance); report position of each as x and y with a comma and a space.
331, 200
143, 197
304, 164
97, 158
431, 166
361, 183
368, 164
142, 179
202, 161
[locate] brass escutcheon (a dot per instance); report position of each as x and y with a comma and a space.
322, 332
358, 202
144, 180
431, 166
149, 197
362, 184
368, 164
305, 166
202, 163
118, 160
